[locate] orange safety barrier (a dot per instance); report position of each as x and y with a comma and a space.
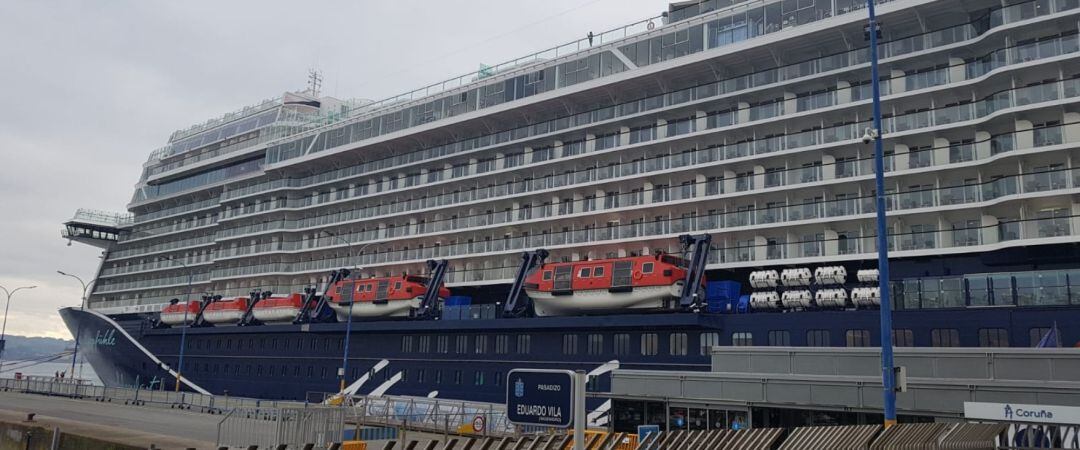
354, 445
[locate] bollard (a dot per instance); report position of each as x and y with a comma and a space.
253, 447
282, 447
309, 446
335, 446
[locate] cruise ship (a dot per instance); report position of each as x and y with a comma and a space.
695, 179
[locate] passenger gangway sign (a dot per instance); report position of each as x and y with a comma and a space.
540, 397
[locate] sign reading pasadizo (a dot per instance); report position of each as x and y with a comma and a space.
540, 397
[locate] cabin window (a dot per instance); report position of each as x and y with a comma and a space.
404, 375
903, 338
481, 345
598, 272
945, 337
438, 377
425, 344
569, 344
993, 337
779, 338
647, 267
584, 272
708, 340
478, 378
397, 285
502, 344
462, 345
649, 342
457, 377
742, 339
817, 338
498, 377
419, 375
1036, 335
857, 338
621, 344
547, 275
524, 342
443, 344
596, 344
324, 372
406, 344
677, 344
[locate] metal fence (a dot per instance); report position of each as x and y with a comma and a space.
272, 427
147, 397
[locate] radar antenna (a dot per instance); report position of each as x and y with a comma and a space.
315, 79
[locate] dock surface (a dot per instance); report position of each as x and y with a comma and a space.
120, 423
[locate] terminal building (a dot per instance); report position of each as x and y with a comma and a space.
788, 387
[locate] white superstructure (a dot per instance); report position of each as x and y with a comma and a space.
744, 121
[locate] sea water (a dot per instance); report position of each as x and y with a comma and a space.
48, 369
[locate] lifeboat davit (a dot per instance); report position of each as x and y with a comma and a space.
606, 285
180, 313
379, 297
225, 310
278, 309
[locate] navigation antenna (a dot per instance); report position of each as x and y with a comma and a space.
314, 81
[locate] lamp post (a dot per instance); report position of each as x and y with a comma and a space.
3, 328
888, 376
348, 320
183, 331
78, 331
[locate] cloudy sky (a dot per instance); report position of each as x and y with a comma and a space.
90, 88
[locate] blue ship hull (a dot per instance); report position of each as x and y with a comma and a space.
469, 359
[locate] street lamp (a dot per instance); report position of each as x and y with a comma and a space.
78, 331
183, 331
3, 328
888, 377
348, 320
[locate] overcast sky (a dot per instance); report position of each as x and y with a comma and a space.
89, 89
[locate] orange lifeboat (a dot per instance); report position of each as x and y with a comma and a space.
225, 310
606, 285
380, 297
278, 309
180, 313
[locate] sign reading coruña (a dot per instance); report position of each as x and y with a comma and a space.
540, 397
1019, 412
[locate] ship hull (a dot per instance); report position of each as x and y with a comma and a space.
469, 359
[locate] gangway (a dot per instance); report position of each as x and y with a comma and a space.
697, 246
430, 301
517, 305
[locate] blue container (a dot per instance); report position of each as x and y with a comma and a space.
458, 300
723, 289
744, 304
722, 296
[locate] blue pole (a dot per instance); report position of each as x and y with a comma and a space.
345, 356
183, 331
887, 375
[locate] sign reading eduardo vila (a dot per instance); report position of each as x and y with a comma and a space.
540, 397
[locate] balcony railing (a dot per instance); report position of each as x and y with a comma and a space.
710, 90
948, 114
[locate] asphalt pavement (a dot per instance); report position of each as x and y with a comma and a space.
132, 425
